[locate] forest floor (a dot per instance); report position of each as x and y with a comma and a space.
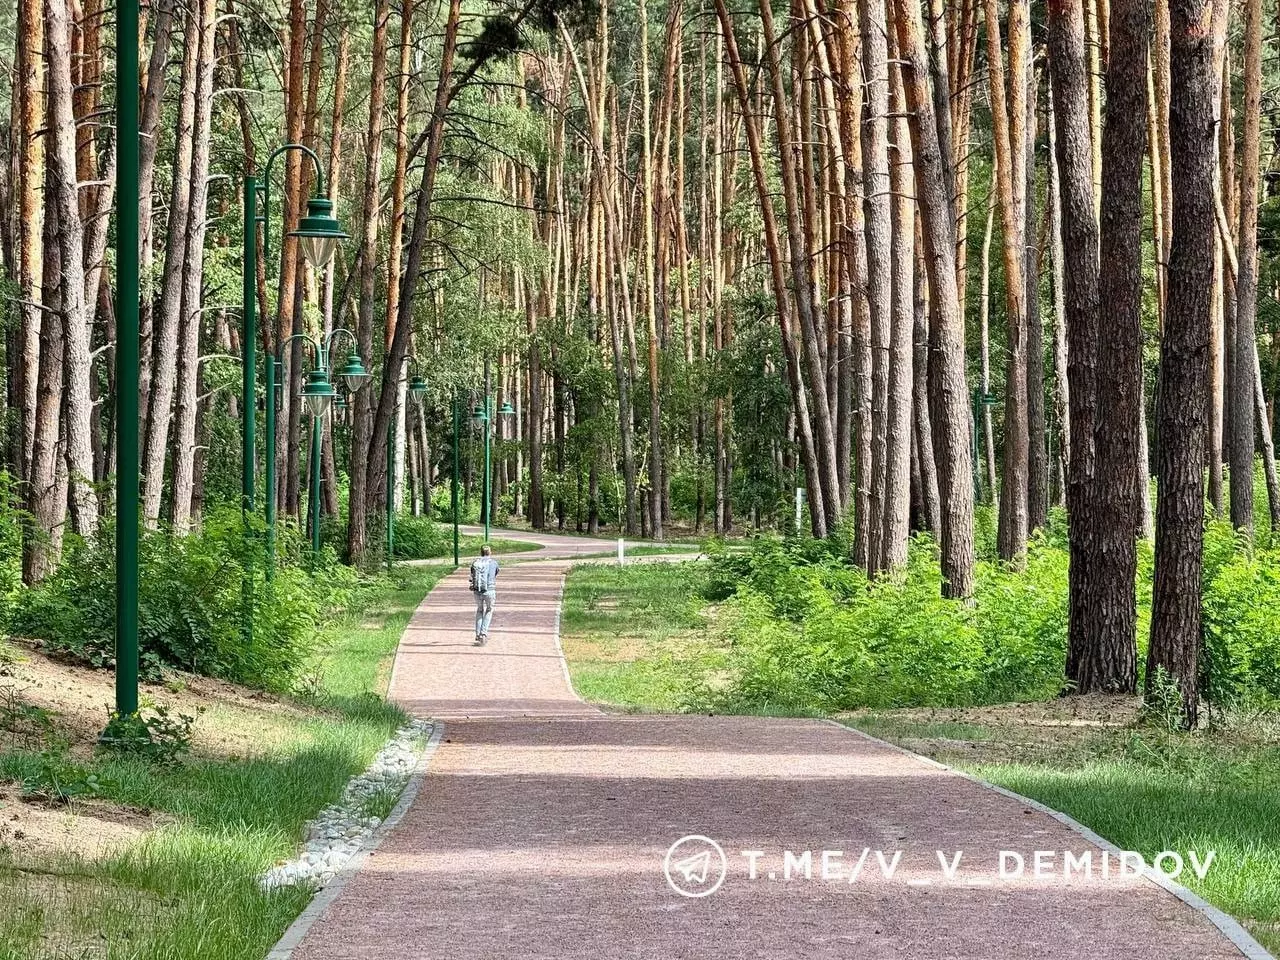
112, 856
542, 821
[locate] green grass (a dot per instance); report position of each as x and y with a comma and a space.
356, 659
188, 890
627, 631
646, 550
1143, 789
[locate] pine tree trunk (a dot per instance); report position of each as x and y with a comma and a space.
362, 429
799, 395
46, 500
1037, 437
187, 406
168, 317
30, 149
807, 307
949, 391
1109, 661
288, 290
984, 327
1074, 154
1009, 121
1176, 598
1245, 344
76, 319
898, 353
1061, 383
878, 206
922, 427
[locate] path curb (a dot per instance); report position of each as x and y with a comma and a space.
1228, 925
320, 903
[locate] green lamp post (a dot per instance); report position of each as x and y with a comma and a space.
417, 390
319, 394
482, 418
319, 233
128, 348
453, 494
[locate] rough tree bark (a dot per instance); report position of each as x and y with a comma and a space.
1241, 446
76, 318
949, 391
1176, 600
1109, 661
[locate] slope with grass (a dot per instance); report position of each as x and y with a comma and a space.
189, 834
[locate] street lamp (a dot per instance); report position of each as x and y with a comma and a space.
319, 233
319, 394
128, 350
417, 390
482, 418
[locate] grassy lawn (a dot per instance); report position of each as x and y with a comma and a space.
634, 549
194, 835
626, 629
468, 546
641, 637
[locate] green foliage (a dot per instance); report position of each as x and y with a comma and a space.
809, 631
54, 774
1241, 659
152, 734
10, 545
420, 537
192, 605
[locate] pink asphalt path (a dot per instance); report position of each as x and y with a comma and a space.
541, 828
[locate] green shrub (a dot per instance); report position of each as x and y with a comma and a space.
10, 545
192, 602
810, 632
1241, 620
420, 537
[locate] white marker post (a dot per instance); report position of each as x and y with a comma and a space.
621, 552
799, 506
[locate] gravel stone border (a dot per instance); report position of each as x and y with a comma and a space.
340, 830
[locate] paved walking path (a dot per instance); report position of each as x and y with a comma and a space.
542, 825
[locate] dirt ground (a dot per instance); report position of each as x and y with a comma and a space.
1009, 732
89, 828
230, 721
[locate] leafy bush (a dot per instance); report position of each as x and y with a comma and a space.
10, 545
420, 537
192, 602
153, 734
1241, 619
808, 631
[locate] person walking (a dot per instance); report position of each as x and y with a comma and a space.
484, 578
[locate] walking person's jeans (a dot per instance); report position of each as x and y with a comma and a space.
484, 612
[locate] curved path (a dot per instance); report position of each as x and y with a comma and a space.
541, 828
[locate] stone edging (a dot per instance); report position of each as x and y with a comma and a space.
1226, 924
564, 662
293, 936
